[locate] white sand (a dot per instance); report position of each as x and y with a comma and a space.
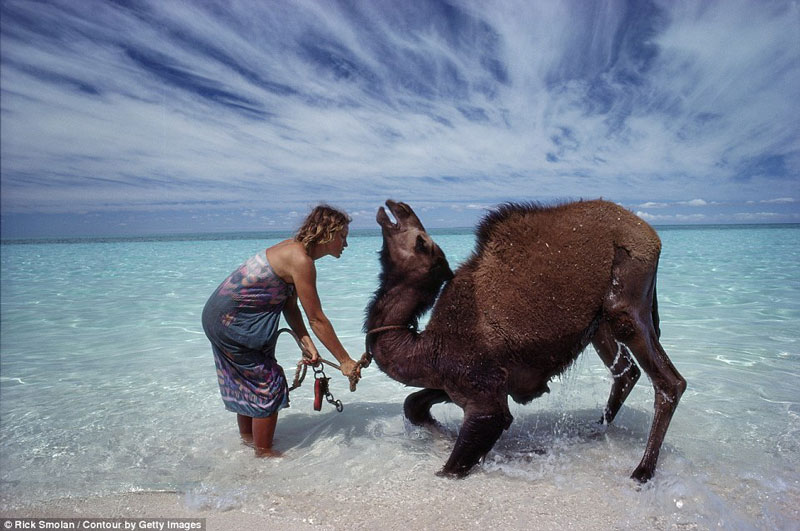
526, 506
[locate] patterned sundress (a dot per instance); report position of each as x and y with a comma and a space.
241, 320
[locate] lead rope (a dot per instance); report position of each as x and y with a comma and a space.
321, 381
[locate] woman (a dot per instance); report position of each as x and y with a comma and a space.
241, 320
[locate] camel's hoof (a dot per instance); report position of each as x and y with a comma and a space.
642, 475
452, 475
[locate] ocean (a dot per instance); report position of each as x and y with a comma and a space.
107, 385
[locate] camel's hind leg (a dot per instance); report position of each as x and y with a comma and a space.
417, 406
623, 369
631, 315
669, 385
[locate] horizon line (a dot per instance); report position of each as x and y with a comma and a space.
361, 231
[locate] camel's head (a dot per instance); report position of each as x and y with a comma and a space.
408, 250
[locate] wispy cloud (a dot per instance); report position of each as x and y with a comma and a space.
190, 107
673, 218
696, 202
779, 200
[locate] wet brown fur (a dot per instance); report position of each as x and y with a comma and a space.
542, 283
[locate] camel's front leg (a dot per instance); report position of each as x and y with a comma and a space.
479, 431
417, 406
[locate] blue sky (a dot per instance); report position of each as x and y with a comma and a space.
132, 117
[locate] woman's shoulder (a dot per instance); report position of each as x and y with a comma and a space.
289, 250
288, 256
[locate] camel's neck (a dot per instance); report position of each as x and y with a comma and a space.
400, 353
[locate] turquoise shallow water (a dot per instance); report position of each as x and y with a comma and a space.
107, 385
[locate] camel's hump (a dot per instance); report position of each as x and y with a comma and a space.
595, 219
535, 265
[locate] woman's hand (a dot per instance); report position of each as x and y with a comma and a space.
350, 368
310, 355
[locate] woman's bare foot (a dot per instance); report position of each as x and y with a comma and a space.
267, 452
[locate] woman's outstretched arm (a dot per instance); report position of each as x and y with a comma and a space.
294, 318
304, 274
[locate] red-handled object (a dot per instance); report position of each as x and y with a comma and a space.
320, 390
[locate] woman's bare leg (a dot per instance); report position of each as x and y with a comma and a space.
263, 433
245, 428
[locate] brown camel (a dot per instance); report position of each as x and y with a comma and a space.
542, 283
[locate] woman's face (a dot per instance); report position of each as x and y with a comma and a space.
339, 242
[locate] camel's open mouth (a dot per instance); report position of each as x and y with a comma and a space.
387, 217
403, 217
391, 214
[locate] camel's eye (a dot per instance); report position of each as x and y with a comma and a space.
421, 245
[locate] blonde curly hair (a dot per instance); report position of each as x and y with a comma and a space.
320, 225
